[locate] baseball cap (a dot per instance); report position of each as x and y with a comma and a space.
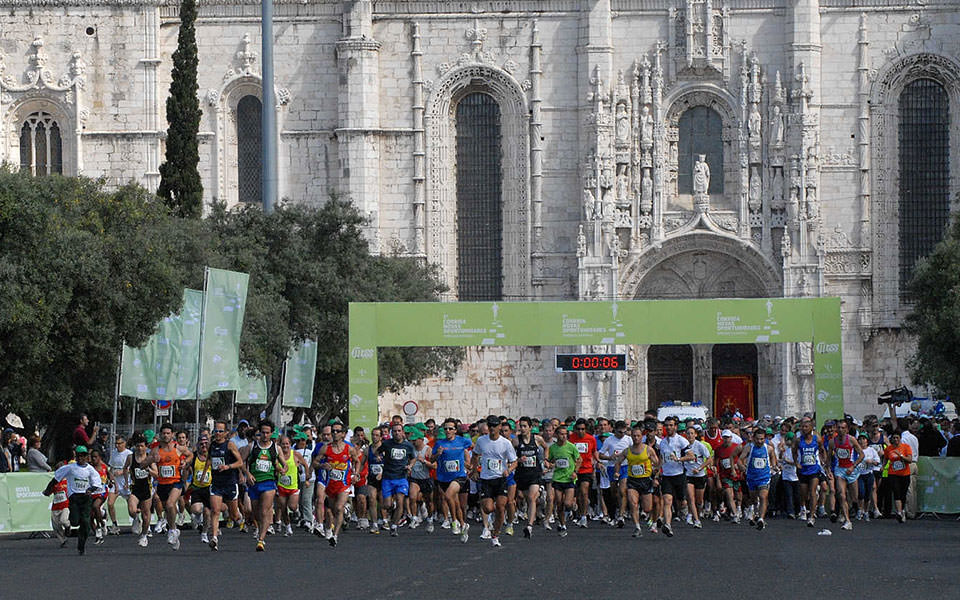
768, 431
416, 434
726, 433
682, 427
789, 435
242, 422
81, 450
149, 434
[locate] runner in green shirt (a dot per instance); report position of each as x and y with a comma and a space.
564, 458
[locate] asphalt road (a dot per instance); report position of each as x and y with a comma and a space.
877, 560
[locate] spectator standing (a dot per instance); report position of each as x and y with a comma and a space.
36, 460
80, 437
5, 459
953, 447
14, 448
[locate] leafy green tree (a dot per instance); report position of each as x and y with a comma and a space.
935, 319
180, 185
81, 271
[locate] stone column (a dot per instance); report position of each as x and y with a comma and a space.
703, 374
358, 109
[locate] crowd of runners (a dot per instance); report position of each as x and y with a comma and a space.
493, 477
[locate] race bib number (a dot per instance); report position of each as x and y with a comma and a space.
337, 475
843, 453
218, 462
582, 447
898, 465
285, 480
638, 470
528, 461
139, 473
398, 454
563, 463
759, 463
263, 465
80, 485
494, 464
808, 459
59, 497
166, 471
725, 463
204, 476
451, 466
376, 469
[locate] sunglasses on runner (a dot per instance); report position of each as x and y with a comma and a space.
219, 430
337, 430
449, 428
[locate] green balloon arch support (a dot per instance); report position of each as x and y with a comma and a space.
755, 320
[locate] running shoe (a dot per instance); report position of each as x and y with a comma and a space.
752, 522
403, 522
414, 522
667, 531
562, 531
760, 524
454, 527
213, 544
716, 517
98, 539
486, 534
394, 531
847, 525
528, 532
496, 542
261, 546
430, 525
546, 524
689, 518
176, 539
508, 530
374, 530
834, 517
901, 517
860, 515
637, 531
620, 523
697, 525
583, 521
329, 533
876, 514
270, 530
464, 533
114, 530
289, 531
446, 524
810, 522
333, 541
736, 520
204, 538
143, 541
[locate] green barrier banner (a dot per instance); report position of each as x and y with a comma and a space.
24, 508
166, 367
728, 321
299, 372
938, 485
223, 306
251, 389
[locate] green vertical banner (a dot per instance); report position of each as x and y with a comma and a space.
166, 367
299, 372
827, 363
251, 389
224, 301
362, 364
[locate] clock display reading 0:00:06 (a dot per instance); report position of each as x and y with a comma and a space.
591, 362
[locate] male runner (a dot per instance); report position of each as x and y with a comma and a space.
226, 463
288, 492
565, 460
262, 467
728, 471
617, 494
641, 460
374, 476
842, 449
169, 456
758, 459
320, 485
202, 472
696, 472
494, 459
120, 487
530, 450
82, 482
809, 455
451, 456
339, 461
674, 450
587, 447
547, 433
398, 457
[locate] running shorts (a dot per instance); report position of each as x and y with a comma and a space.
758, 484
227, 492
201, 495
142, 492
261, 487
674, 485
164, 489
611, 469
464, 485
511, 479
425, 485
841, 473
698, 483
491, 488
390, 487
807, 479
588, 477
286, 493
524, 482
642, 485
337, 487
563, 485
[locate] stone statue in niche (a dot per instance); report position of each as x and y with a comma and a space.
589, 206
701, 176
755, 190
623, 125
623, 183
754, 123
646, 129
646, 192
812, 208
777, 185
616, 245
777, 126
804, 352
609, 206
581, 243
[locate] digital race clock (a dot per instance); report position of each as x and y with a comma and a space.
591, 362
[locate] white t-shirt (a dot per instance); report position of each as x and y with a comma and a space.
79, 479
911, 440
870, 455
671, 449
702, 453
788, 472
495, 456
612, 445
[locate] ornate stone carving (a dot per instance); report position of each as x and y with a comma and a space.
701, 184
581, 242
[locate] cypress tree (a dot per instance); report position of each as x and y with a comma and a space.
180, 186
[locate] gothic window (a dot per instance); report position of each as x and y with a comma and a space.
249, 170
701, 132
479, 208
924, 138
41, 149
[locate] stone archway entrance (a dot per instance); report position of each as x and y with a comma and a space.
697, 266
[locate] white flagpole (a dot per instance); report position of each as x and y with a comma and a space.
203, 310
116, 399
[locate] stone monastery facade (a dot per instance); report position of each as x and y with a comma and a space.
554, 149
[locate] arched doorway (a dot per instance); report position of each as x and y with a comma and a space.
735, 370
669, 374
